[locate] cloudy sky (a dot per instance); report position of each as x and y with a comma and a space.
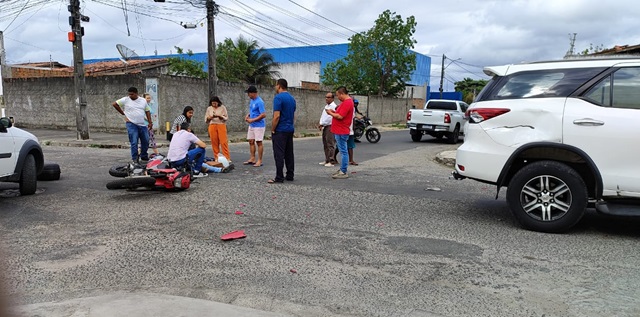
471, 33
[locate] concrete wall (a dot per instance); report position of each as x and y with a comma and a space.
49, 102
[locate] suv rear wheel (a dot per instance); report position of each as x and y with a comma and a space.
28, 176
547, 196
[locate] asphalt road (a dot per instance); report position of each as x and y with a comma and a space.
376, 244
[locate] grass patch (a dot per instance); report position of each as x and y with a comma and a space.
399, 125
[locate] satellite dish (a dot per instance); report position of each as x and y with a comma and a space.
126, 52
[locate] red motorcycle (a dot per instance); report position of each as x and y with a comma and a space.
156, 174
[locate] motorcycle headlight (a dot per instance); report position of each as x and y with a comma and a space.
370, 122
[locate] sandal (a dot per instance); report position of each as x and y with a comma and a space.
353, 163
273, 181
248, 163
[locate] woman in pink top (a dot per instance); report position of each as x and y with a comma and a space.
216, 117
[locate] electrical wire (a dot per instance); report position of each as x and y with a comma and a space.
344, 27
17, 15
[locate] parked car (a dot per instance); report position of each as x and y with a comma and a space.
561, 136
439, 118
21, 158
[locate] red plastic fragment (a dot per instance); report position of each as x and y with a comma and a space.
238, 212
238, 234
243, 205
294, 271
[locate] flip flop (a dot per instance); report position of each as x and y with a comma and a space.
273, 181
248, 163
256, 165
353, 163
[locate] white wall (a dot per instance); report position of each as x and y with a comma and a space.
296, 73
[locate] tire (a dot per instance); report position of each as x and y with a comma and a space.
416, 137
547, 196
131, 183
439, 136
50, 172
28, 176
119, 171
454, 136
358, 132
373, 135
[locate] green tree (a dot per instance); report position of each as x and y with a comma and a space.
470, 88
592, 49
379, 61
245, 61
181, 66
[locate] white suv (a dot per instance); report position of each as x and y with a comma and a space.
559, 135
21, 158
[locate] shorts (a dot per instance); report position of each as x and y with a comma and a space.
351, 142
255, 134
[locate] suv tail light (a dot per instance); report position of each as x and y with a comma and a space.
408, 115
447, 118
478, 115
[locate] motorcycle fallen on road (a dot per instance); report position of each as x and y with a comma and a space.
364, 126
156, 174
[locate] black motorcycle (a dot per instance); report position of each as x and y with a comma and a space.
364, 126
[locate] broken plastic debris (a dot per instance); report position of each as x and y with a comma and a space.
434, 189
353, 172
238, 212
238, 234
243, 205
380, 224
294, 271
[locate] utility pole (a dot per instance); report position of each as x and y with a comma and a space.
75, 37
442, 75
212, 10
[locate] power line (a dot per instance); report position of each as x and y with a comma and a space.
17, 15
344, 27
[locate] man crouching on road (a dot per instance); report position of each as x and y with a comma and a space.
179, 153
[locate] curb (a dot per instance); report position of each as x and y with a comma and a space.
447, 158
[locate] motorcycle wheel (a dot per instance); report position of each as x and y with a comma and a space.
131, 183
373, 135
119, 171
357, 132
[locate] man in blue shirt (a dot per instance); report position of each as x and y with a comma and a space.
255, 118
282, 128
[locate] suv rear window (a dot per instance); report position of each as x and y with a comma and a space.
538, 84
441, 105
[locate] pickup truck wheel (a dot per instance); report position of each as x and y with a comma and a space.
454, 136
547, 196
416, 137
28, 176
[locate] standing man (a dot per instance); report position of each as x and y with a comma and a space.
342, 120
328, 139
282, 128
255, 118
135, 111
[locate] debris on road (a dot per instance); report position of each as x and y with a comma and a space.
433, 189
238, 234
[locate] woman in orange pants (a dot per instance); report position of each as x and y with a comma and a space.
216, 116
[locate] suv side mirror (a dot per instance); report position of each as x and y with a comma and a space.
5, 123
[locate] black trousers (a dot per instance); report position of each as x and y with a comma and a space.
283, 154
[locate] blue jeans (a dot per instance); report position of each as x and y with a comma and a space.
138, 132
194, 158
341, 141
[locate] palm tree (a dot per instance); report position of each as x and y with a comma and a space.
262, 61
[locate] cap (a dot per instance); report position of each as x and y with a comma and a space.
355, 101
251, 89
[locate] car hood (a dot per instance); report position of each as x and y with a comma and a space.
18, 133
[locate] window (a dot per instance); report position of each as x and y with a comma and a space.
442, 105
539, 84
619, 90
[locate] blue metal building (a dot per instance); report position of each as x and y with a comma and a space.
302, 54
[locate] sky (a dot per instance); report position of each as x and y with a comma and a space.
471, 33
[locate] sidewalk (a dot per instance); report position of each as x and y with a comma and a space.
120, 140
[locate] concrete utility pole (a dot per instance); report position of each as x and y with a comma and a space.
212, 10
442, 75
75, 37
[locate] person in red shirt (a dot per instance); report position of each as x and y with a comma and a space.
340, 127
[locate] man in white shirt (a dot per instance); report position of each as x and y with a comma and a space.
328, 139
135, 111
179, 153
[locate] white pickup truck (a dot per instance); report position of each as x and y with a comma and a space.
439, 118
